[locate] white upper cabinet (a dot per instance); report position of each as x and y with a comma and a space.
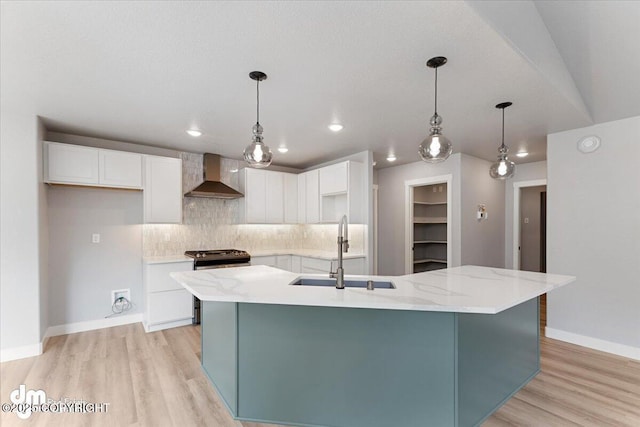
270, 197
79, 165
290, 198
253, 206
120, 169
341, 192
72, 164
162, 190
334, 179
274, 191
312, 202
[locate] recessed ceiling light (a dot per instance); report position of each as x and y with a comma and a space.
336, 127
283, 149
522, 154
391, 158
194, 132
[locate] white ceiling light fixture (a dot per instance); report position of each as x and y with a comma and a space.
503, 168
436, 147
283, 149
258, 155
194, 132
522, 154
589, 144
391, 158
336, 127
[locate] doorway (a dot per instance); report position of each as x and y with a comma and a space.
428, 224
530, 219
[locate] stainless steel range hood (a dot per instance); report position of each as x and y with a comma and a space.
212, 187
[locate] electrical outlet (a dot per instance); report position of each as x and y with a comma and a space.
95, 238
117, 293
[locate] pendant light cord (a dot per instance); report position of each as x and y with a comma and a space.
502, 129
258, 101
435, 107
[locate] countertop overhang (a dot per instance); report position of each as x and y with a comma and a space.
466, 289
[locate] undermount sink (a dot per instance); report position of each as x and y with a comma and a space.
348, 283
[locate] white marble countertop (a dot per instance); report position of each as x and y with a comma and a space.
309, 253
466, 289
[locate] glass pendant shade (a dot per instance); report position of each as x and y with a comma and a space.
257, 154
503, 168
436, 147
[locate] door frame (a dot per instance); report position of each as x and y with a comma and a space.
517, 186
408, 216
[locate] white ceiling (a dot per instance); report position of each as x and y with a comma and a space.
146, 71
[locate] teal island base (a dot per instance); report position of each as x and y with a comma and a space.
343, 367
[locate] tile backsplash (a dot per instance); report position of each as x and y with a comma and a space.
210, 223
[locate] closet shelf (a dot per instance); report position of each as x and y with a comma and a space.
429, 220
422, 261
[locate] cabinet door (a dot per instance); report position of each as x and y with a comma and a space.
120, 169
169, 306
73, 164
274, 203
302, 198
296, 265
290, 198
162, 190
283, 262
255, 197
312, 197
334, 179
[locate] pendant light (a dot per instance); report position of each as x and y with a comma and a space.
258, 155
436, 147
503, 168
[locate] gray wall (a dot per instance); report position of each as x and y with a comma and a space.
530, 227
20, 204
524, 172
81, 273
391, 208
594, 232
482, 241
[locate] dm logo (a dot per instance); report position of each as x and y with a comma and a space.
26, 399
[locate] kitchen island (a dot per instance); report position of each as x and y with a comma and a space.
444, 348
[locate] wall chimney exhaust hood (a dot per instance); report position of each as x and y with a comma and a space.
212, 187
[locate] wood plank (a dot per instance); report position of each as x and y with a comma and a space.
155, 379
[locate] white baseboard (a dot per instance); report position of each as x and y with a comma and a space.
20, 352
594, 343
90, 325
167, 325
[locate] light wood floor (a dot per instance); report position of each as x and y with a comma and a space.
155, 380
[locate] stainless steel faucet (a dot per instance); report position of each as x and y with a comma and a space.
343, 246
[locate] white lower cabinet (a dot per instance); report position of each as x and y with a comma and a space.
308, 265
166, 303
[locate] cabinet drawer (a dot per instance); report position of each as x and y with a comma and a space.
315, 264
169, 306
271, 261
157, 276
